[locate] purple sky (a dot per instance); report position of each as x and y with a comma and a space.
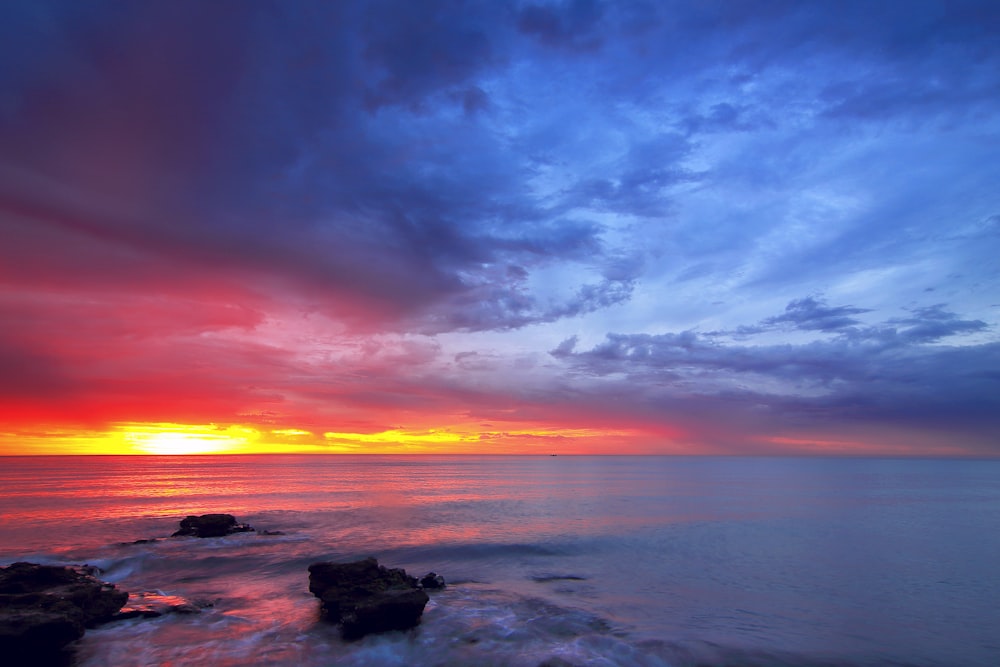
727, 227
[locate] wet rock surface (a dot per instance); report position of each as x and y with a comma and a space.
432, 581
153, 605
365, 597
44, 607
211, 525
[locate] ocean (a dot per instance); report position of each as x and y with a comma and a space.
574, 560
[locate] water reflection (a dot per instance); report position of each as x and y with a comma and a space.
807, 554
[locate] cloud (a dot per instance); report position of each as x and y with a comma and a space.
726, 117
932, 323
27, 375
640, 179
888, 374
497, 307
418, 49
321, 144
813, 314
574, 26
323, 210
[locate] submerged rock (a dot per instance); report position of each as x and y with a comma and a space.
556, 661
211, 525
153, 605
432, 580
45, 607
545, 578
365, 597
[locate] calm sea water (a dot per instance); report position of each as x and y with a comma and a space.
594, 560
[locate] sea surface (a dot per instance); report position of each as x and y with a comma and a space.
589, 560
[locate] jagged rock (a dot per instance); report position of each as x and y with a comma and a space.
366, 597
432, 580
211, 525
44, 607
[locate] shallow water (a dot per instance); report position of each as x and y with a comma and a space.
596, 560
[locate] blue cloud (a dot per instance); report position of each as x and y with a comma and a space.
887, 373
813, 314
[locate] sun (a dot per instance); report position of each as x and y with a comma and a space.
176, 443
167, 439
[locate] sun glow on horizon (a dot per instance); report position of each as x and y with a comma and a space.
181, 439
175, 439
451, 440
161, 439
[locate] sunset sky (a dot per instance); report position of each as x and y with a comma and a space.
500, 227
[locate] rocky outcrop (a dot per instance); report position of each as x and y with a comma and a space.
43, 608
431, 581
211, 525
365, 597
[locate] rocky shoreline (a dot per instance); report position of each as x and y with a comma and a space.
44, 608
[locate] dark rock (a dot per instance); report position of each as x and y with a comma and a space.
544, 578
432, 580
556, 661
44, 607
211, 525
392, 609
270, 532
366, 597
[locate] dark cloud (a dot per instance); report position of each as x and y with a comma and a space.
495, 306
931, 324
640, 180
813, 314
928, 324
566, 347
312, 140
887, 374
573, 25
474, 100
244, 172
420, 48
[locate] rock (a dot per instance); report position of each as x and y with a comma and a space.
366, 597
392, 609
545, 578
152, 605
44, 607
556, 661
211, 525
432, 580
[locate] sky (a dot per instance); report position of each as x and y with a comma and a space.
713, 227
